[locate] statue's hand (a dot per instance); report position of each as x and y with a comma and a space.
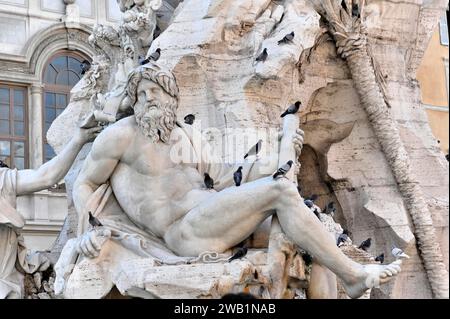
86, 135
91, 242
298, 140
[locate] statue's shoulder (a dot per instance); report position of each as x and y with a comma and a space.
124, 128
121, 132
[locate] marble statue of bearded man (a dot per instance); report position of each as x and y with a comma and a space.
153, 203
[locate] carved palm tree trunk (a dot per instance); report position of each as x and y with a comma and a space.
351, 41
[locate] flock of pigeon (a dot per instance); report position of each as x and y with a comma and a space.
237, 176
289, 38
330, 209
253, 151
262, 57
365, 245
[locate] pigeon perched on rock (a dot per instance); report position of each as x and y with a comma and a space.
355, 11
380, 258
155, 55
85, 66
263, 56
330, 209
398, 253
366, 244
283, 170
241, 252
343, 238
189, 119
237, 176
209, 182
94, 221
292, 109
287, 39
309, 201
254, 150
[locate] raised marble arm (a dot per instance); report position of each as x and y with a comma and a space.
30, 181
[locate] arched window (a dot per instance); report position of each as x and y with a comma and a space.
13, 126
60, 76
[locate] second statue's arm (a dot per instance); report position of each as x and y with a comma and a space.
30, 181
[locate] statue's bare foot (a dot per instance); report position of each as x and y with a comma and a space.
372, 277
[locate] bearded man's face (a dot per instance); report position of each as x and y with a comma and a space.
154, 111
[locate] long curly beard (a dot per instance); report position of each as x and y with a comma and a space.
157, 122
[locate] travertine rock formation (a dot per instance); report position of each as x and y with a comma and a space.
211, 46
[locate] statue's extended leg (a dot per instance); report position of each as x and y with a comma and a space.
228, 217
308, 232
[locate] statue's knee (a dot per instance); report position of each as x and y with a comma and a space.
287, 189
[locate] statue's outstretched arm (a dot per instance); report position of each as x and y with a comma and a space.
29, 181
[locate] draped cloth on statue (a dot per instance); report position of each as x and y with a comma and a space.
127, 240
14, 259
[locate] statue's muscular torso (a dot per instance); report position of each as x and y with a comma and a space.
153, 191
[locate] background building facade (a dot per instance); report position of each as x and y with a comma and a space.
434, 83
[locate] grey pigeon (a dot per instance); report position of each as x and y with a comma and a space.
292, 109
330, 209
155, 55
209, 182
380, 258
254, 150
237, 176
189, 119
355, 10
85, 66
366, 244
241, 252
309, 203
342, 238
263, 56
94, 221
283, 170
398, 253
287, 39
